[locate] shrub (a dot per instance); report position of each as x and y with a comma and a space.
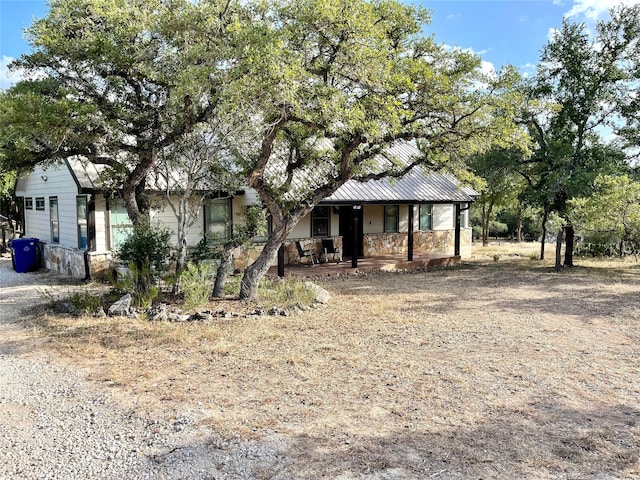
85, 301
286, 293
197, 283
145, 251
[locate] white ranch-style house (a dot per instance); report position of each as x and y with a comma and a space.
80, 226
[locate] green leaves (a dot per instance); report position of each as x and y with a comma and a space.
612, 212
581, 85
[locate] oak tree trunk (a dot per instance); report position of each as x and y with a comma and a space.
254, 272
568, 251
558, 266
226, 261
544, 234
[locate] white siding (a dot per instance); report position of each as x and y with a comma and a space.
102, 223
443, 217
302, 229
373, 218
59, 183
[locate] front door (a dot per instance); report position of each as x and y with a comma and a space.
347, 230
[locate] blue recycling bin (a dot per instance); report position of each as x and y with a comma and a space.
25, 254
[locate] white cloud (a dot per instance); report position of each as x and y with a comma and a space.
551, 34
488, 68
528, 70
7, 78
596, 9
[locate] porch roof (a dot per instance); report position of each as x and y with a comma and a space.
417, 186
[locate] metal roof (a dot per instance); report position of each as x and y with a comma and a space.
417, 186
85, 173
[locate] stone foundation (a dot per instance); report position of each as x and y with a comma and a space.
70, 261
243, 257
438, 241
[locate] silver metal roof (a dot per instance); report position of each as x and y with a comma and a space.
417, 186
86, 174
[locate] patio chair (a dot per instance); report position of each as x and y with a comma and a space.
328, 248
309, 253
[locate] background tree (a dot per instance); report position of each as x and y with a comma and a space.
501, 183
188, 173
117, 82
611, 214
335, 84
579, 84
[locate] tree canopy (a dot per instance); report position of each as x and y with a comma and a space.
611, 214
116, 82
578, 91
335, 83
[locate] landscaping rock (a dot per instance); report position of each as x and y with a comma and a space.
67, 308
158, 313
320, 294
177, 317
99, 313
201, 317
122, 307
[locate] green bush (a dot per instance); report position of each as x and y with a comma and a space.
197, 284
140, 282
146, 251
85, 302
285, 293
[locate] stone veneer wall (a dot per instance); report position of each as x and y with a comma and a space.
70, 261
244, 256
437, 241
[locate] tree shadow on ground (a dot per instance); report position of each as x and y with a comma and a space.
541, 440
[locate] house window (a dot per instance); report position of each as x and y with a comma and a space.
81, 214
464, 215
39, 203
121, 226
426, 216
53, 218
28, 203
218, 218
391, 218
320, 218
263, 235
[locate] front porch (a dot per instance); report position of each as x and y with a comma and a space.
390, 262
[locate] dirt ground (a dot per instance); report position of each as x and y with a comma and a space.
497, 369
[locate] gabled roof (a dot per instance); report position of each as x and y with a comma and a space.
85, 173
417, 186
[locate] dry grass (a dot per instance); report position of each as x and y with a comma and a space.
496, 369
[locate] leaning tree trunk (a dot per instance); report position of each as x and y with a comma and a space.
254, 272
226, 260
568, 251
559, 251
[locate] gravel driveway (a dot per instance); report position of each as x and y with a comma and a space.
56, 425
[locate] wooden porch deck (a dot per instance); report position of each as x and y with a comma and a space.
368, 264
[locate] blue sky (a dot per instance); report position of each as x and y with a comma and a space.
500, 31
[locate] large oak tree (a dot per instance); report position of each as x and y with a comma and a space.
334, 84
581, 84
117, 82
